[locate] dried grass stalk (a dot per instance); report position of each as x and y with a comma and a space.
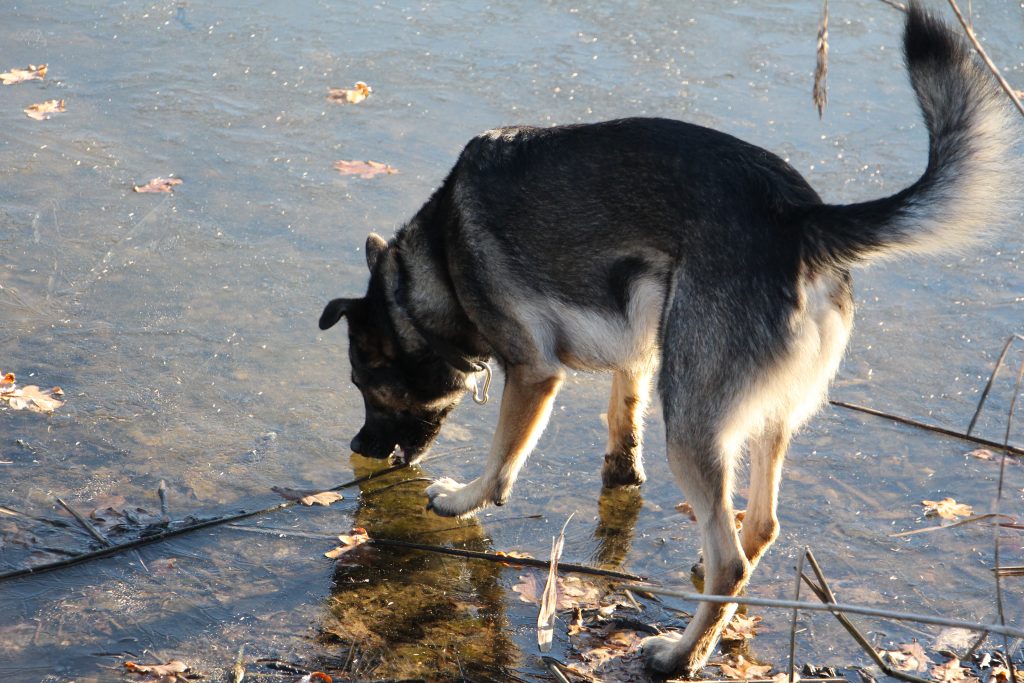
820, 91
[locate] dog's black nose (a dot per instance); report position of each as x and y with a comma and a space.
357, 444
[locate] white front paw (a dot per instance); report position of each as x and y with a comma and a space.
448, 498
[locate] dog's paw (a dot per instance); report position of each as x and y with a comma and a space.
664, 654
448, 498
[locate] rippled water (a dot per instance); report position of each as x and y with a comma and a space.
182, 327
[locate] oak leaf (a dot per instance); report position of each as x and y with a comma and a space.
354, 95
315, 677
29, 397
356, 538
364, 169
169, 669
910, 657
741, 627
947, 508
741, 668
952, 672
44, 110
32, 73
158, 185
307, 497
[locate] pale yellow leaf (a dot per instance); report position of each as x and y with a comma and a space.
32, 73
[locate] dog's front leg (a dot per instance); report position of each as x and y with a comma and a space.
525, 407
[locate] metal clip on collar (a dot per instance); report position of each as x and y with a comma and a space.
480, 397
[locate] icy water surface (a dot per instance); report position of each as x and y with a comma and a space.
182, 329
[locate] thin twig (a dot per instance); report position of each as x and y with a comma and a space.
170, 533
962, 522
819, 93
505, 559
796, 613
984, 56
991, 380
555, 668
895, 5
1014, 450
841, 607
995, 533
825, 594
86, 524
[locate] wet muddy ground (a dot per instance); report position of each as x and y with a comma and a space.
182, 329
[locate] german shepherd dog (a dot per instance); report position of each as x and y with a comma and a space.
648, 246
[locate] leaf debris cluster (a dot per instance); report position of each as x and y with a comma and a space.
29, 397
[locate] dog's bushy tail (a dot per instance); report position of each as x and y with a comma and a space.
973, 180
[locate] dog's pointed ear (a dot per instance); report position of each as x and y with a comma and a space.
375, 246
334, 310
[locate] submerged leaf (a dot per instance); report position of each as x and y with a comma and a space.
349, 542
32, 73
947, 508
158, 185
952, 672
308, 497
741, 668
910, 657
364, 169
29, 397
354, 95
741, 627
170, 668
43, 110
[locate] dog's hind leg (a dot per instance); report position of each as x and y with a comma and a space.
704, 472
760, 525
526, 404
623, 463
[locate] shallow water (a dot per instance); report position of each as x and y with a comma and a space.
182, 328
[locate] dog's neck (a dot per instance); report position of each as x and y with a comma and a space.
423, 296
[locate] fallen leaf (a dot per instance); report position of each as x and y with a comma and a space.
29, 397
910, 657
687, 509
952, 672
512, 556
364, 169
954, 639
741, 668
315, 676
1001, 674
572, 592
606, 653
43, 110
981, 454
172, 667
354, 95
158, 185
783, 677
741, 627
309, 497
947, 508
32, 73
348, 542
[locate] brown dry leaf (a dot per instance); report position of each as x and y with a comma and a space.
364, 169
32, 73
981, 454
348, 542
513, 555
952, 672
315, 677
741, 627
354, 95
575, 625
607, 653
169, 669
308, 497
44, 110
29, 397
158, 185
783, 677
572, 592
910, 657
947, 508
1000, 674
741, 668
687, 509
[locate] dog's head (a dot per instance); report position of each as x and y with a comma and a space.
407, 393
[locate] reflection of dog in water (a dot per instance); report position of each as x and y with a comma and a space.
410, 614
648, 245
